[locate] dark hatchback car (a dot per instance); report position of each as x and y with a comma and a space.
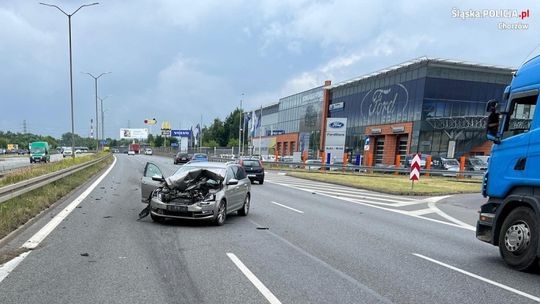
254, 169
181, 158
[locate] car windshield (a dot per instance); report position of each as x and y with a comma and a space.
477, 162
37, 150
451, 162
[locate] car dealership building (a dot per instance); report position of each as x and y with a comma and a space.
431, 106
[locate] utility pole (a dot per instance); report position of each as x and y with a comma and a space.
25, 130
70, 68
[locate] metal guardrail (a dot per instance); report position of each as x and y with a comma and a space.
361, 169
10, 191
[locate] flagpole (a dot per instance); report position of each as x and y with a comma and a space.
200, 136
259, 122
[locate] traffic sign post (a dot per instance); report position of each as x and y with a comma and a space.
415, 170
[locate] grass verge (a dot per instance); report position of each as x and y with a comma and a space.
25, 173
395, 184
17, 211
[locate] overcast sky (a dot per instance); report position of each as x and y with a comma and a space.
177, 60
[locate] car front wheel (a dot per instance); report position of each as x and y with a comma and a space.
518, 239
221, 214
245, 208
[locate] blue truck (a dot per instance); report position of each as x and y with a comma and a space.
510, 219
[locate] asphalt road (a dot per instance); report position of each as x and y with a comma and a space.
10, 163
323, 244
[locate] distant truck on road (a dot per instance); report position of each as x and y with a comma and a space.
511, 217
39, 152
135, 148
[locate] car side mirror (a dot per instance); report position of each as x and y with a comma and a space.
492, 125
232, 182
158, 178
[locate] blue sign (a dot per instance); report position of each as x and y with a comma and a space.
174, 145
366, 140
336, 125
181, 133
104, 142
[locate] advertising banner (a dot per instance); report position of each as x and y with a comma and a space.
133, 133
336, 129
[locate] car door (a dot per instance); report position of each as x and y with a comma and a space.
244, 184
232, 191
147, 183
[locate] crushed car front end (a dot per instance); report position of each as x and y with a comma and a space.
167, 205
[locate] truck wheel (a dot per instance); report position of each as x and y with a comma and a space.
518, 239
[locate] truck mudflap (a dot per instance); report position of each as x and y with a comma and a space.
486, 221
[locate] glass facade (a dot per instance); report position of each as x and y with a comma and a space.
415, 93
301, 112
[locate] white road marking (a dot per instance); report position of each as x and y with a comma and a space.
253, 279
290, 208
505, 287
422, 211
8, 267
432, 206
37, 238
385, 208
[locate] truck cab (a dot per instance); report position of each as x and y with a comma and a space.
39, 152
511, 217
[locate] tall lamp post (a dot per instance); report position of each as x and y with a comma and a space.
103, 116
70, 67
96, 92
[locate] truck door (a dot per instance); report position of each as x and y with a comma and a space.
511, 155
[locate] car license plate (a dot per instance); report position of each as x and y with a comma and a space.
251, 175
177, 208
183, 158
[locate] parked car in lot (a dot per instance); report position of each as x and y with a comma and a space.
313, 164
181, 158
199, 157
198, 191
445, 164
148, 151
254, 169
475, 164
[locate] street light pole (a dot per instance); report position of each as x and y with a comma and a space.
102, 117
96, 94
70, 68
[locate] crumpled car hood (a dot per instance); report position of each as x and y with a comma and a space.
185, 180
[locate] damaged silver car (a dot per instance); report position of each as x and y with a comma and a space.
200, 191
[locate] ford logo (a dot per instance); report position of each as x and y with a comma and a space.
336, 124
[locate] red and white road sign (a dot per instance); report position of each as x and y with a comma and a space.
415, 168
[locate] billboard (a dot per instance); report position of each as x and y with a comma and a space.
336, 129
133, 133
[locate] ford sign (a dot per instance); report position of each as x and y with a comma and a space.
336, 125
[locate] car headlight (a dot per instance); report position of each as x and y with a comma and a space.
210, 197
